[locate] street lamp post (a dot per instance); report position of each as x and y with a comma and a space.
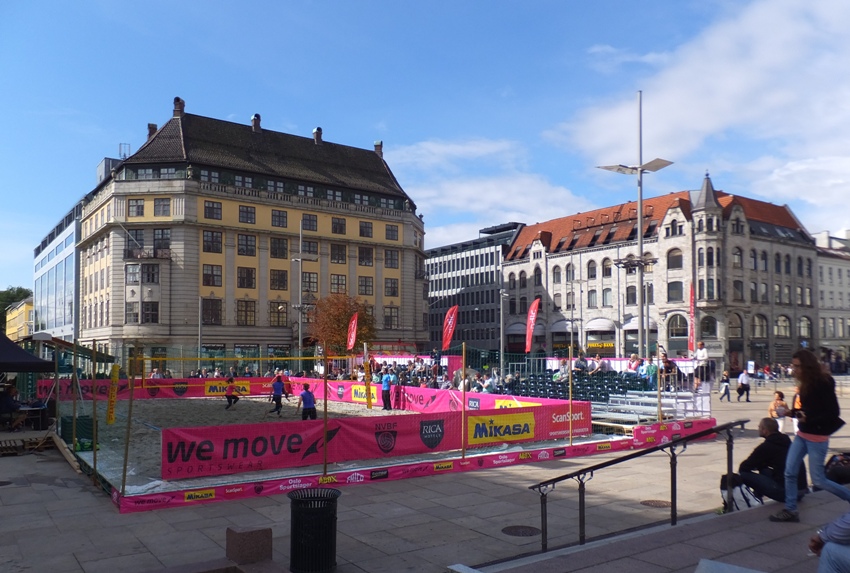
300, 258
639, 169
503, 294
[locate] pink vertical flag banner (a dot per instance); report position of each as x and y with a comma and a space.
352, 331
449, 325
529, 326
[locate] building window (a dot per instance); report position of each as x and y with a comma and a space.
809, 268
674, 259
364, 256
538, 276
759, 326
150, 313
777, 264
212, 210
365, 229
161, 239
738, 290
512, 306
390, 287
512, 281
132, 276
338, 225
808, 296
799, 266
246, 277
247, 214
591, 299
556, 302
736, 326
737, 258
675, 292
607, 297
523, 305
310, 247
278, 313
804, 327
162, 207
764, 261
150, 274
709, 258
365, 286
556, 275
782, 327
278, 248
338, 254
391, 258
523, 280
309, 222
131, 313
631, 295
279, 218
391, 318
677, 327
212, 241
278, 279
338, 284
246, 245
211, 310
700, 257
763, 296
787, 264
211, 176
392, 233
212, 275
246, 312
310, 282
591, 270
786, 294
708, 327
606, 268
136, 208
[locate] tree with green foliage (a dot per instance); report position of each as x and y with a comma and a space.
8, 297
330, 318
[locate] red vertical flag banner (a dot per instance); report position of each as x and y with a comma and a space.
529, 326
352, 331
691, 325
449, 325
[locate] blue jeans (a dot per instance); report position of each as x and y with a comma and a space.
817, 454
834, 558
763, 485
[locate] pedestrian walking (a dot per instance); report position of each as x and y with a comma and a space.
724, 387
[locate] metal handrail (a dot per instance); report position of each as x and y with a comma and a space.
583, 475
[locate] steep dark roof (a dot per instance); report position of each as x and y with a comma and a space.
204, 141
707, 197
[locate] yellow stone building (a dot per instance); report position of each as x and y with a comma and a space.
216, 234
19, 319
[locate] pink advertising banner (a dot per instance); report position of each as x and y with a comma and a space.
213, 450
213, 493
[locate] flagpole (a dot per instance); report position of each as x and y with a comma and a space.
367, 368
463, 405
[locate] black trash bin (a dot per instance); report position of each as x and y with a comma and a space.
313, 524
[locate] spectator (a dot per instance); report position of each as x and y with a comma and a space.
832, 545
10, 409
778, 409
818, 419
764, 470
724, 387
579, 365
743, 385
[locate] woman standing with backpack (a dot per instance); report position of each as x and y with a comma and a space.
818, 418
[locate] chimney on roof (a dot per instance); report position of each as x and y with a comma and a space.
379, 148
317, 136
255, 123
179, 106
151, 130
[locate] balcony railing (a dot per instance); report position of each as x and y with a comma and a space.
147, 254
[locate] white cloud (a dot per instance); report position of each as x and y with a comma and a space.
463, 186
608, 59
437, 157
760, 92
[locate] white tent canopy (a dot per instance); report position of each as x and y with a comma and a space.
597, 324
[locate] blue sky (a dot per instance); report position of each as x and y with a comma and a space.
489, 111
